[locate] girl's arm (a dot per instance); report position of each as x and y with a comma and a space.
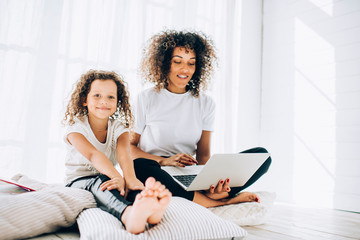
99, 161
179, 160
96, 157
203, 148
126, 164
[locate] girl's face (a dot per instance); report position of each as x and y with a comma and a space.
181, 70
101, 100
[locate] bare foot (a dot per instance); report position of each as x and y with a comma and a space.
244, 197
164, 197
217, 196
149, 206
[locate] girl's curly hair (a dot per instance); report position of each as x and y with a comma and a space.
76, 108
156, 60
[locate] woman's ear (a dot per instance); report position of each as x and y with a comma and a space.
83, 101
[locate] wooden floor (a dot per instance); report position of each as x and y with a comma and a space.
291, 222
286, 222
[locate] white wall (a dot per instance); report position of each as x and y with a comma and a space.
46, 45
238, 83
311, 100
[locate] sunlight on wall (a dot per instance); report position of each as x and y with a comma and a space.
314, 118
328, 8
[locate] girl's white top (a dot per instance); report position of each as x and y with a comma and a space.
79, 166
171, 123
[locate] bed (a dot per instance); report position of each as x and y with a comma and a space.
53, 207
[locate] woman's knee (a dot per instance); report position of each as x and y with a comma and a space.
141, 162
256, 150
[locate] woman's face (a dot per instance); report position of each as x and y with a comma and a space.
181, 70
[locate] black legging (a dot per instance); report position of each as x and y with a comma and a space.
109, 200
145, 168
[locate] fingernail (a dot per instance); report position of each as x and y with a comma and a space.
221, 181
228, 189
212, 186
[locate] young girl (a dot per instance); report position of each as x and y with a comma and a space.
98, 116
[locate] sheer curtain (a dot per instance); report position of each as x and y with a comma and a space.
46, 45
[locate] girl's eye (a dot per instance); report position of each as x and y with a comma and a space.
177, 62
97, 95
191, 64
112, 97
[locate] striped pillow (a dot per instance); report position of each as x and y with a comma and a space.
182, 220
30, 214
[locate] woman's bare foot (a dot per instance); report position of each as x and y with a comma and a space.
217, 196
149, 206
244, 197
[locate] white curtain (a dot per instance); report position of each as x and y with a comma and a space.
45, 45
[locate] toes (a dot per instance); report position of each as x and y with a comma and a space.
150, 182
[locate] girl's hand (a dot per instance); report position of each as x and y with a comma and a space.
115, 183
179, 160
134, 184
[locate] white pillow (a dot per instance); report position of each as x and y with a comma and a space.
248, 213
182, 220
30, 214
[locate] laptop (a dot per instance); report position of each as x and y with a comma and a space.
238, 167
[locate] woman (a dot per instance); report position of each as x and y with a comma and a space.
174, 120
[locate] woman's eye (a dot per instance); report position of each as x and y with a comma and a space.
112, 97
97, 95
191, 64
177, 62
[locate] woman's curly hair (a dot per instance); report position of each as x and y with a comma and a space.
156, 60
76, 108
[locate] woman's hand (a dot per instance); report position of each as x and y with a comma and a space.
178, 160
220, 191
115, 183
134, 184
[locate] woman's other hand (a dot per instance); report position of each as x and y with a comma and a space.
179, 160
221, 190
115, 183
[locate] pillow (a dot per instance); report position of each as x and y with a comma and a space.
182, 220
248, 213
29, 214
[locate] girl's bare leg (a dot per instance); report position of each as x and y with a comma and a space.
149, 206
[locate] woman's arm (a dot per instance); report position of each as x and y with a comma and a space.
137, 152
203, 155
203, 148
179, 160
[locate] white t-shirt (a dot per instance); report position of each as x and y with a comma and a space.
171, 123
79, 166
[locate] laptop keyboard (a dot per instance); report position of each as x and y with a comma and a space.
185, 179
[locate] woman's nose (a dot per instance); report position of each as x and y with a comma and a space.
185, 69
